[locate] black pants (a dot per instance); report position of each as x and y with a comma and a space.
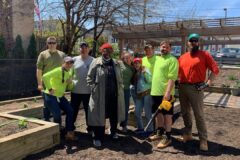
113, 118
99, 131
76, 100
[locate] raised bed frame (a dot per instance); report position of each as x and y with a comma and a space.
22, 144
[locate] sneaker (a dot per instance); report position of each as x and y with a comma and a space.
114, 136
203, 145
164, 142
139, 131
97, 143
155, 137
108, 131
185, 138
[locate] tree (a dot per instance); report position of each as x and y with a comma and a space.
18, 51
81, 13
3, 53
32, 48
79, 17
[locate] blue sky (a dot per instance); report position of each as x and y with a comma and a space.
211, 8
182, 9
194, 9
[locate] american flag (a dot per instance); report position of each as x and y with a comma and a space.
37, 11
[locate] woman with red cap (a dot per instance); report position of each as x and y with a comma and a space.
107, 98
142, 83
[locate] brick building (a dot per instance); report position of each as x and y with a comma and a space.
16, 17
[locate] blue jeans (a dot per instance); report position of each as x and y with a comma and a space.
133, 93
126, 99
146, 104
55, 105
46, 112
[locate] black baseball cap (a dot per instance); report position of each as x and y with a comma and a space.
83, 44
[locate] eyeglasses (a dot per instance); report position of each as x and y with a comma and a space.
193, 40
52, 42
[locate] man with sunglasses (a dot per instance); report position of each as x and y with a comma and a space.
47, 61
193, 66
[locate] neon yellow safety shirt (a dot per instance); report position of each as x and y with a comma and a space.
166, 68
56, 79
149, 62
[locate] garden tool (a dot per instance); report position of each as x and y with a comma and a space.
166, 105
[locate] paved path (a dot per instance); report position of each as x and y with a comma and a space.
221, 100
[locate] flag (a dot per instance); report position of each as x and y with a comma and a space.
37, 11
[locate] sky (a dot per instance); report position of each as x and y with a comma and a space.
209, 9
194, 9
184, 9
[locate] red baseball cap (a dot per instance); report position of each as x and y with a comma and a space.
137, 60
105, 46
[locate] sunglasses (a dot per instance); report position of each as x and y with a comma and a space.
52, 42
193, 40
69, 63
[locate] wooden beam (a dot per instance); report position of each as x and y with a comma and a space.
178, 33
121, 45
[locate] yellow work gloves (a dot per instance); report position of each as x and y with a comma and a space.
166, 105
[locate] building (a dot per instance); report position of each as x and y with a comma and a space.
16, 18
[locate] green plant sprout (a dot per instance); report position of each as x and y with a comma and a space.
22, 123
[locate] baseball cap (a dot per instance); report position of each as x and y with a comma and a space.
193, 35
137, 60
148, 46
83, 44
68, 59
105, 46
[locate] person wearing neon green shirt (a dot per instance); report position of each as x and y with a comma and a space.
164, 77
56, 82
149, 60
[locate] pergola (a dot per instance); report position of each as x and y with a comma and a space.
213, 31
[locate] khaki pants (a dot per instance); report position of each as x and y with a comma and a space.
189, 98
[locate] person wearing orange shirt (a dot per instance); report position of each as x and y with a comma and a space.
193, 66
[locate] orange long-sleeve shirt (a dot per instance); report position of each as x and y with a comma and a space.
192, 68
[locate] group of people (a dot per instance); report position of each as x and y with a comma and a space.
105, 85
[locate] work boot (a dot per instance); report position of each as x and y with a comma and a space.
185, 138
70, 136
155, 137
164, 142
203, 145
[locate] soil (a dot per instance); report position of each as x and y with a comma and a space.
223, 134
227, 77
12, 126
20, 105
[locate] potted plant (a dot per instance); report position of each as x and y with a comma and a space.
235, 89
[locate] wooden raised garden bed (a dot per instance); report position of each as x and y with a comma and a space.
36, 137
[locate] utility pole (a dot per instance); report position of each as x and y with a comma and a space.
144, 12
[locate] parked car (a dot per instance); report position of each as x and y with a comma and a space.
238, 54
213, 53
228, 52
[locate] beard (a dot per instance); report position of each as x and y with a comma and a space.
194, 49
163, 52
